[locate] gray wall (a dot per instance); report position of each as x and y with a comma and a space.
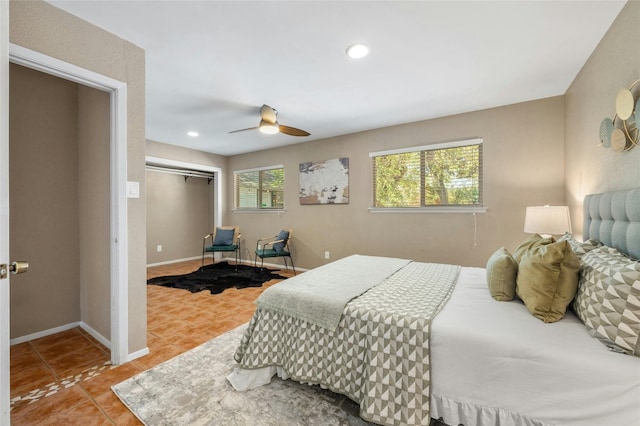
179, 215
523, 165
539, 152
614, 65
44, 28
93, 209
59, 201
43, 150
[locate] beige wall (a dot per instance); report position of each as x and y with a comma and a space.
614, 65
43, 150
178, 153
93, 213
179, 215
41, 27
523, 165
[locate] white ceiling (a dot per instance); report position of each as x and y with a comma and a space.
210, 65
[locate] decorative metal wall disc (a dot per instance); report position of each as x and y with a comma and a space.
606, 128
618, 140
624, 104
622, 133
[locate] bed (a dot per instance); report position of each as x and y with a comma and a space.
425, 341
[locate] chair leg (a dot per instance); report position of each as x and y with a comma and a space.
292, 265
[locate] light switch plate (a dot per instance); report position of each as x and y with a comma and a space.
133, 189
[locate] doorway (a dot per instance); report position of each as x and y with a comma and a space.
59, 205
118, 237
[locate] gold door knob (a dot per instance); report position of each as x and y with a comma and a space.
19, 267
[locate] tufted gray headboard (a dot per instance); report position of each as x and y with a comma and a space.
613, 218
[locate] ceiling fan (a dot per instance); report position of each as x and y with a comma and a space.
269, 124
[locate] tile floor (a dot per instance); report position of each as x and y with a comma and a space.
66, 378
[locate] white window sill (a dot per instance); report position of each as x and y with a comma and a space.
451, 209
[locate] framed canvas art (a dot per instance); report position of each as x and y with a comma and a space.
325, 182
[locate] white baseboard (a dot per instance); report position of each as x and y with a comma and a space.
99, 337
137, 354
169, 262
277, 266
227, 259
44, 333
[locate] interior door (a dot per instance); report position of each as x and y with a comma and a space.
4, 212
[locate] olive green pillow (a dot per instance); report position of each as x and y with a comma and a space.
501, 275
548, 279
529, 243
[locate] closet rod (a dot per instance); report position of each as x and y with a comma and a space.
187, 173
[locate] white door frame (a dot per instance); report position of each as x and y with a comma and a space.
118, 181
5, 392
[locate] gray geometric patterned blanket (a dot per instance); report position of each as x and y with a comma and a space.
378, 355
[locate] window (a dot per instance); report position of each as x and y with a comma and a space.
260, 188
440, 175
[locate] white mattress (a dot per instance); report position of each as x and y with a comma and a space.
493, 363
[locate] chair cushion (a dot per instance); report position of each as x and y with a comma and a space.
501, 275
223, 237
232, 247
284, 236
271, 253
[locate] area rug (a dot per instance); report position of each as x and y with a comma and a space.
218, 277
192, 389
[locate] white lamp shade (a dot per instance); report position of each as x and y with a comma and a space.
549, 220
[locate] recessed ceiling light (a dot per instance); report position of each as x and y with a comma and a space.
357, 51
193, 134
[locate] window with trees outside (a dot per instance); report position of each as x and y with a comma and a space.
259, 189
440, 175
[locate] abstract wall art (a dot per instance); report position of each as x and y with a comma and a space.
325, 182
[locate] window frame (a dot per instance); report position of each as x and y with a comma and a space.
258, 208
476, 208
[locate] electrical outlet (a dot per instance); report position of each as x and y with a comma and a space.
326, 255
159, 248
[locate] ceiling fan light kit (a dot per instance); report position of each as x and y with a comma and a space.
269, 124
268, 128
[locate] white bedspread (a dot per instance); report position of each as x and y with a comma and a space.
493, 363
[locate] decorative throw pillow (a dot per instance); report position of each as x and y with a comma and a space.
501, 275
548, 279
284, 236
608, 299
580, 248
529, 243
224, 237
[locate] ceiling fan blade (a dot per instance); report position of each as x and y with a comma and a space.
243, 130
268, 114
292, 131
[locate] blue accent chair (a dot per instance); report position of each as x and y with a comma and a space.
275, 246
223, 239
